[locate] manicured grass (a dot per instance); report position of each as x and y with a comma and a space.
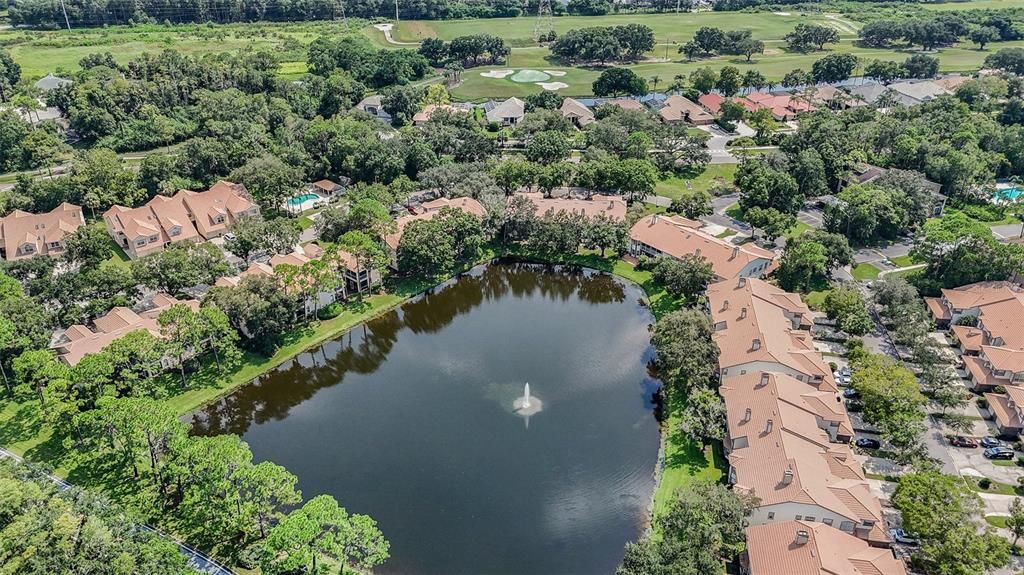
712, 176
734, 211
815, 299
726, 234
797, 229
903, 261
774, 64
686, 461
668, 27
864, 272
304, 222
996, 487
996, 521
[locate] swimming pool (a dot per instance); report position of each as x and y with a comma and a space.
302, 198
1009, 194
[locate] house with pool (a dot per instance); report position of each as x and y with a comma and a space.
316, 194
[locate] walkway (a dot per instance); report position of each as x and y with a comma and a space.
386, 29
196, 559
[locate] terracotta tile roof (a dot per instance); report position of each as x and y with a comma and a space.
429, 210
678, 237
971, 338
678, 109
758, 322
223, 200
611, 206
1004, 358
781, 464
78, 340
776, 549
793, 405
19, 229
981, 374
428, 111
573, 109
981, 294
713, 102
938, 310
1003, 321
626, 104
1005, 414
185, 216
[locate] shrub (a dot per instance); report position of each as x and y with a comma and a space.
833, 366
330, 312
1020, 462
999, 389
985, 483
982, 402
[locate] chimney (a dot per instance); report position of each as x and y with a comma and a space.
764, 379
768, 429
654, 219
697, 252
755, 345
742, 283
743, 312
725, 305
787, 477
802, 537
747, 415
735, 252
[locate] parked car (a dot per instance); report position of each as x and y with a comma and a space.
229, 237
867, 443
989, 441
961, 441
850, 393
900, 536
999, 453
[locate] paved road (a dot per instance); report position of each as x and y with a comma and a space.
196, 559
881, 342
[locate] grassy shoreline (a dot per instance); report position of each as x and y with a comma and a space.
24, 431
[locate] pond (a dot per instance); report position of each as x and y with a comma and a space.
410, 419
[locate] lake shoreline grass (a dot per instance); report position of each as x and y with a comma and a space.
681, 460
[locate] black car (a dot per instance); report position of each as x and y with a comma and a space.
867, 443
999, 453
850, 393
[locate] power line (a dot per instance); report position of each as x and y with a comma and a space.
544, 20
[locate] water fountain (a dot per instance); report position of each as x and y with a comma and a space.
527, 405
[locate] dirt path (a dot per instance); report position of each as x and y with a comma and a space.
386, 29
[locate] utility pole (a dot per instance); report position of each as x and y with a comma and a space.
65, 10
396, 13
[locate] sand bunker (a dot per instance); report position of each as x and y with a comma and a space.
552, 86
781, 13
497, 73
555, 73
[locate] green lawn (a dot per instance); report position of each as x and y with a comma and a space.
774, 64
996, 521
668, 28
815, 299
903, 261
714, 175
864, 272
726, 234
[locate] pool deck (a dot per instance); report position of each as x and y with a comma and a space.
304, 205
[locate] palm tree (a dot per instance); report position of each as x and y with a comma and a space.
655, 79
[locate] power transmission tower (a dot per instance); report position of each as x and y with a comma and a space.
340, 6
545, 23
65, 10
